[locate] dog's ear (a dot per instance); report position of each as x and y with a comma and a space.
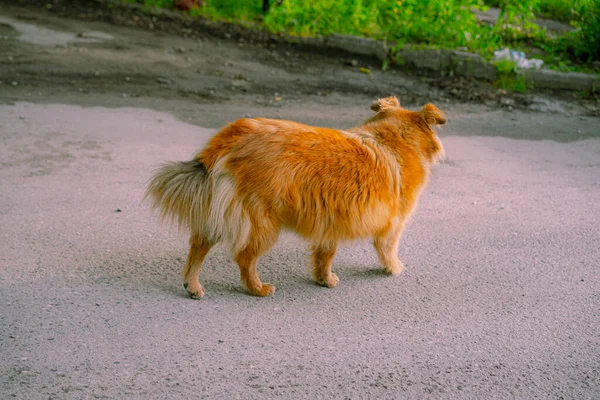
385, 104
433, 115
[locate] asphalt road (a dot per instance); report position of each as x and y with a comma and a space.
500, 298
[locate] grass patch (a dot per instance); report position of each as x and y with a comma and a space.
230, 10
559, 10
508, 78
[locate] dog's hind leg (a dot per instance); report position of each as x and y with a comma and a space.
322, 257
261, 239
386, 245
199, 247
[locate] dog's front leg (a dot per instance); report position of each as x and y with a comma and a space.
386, 245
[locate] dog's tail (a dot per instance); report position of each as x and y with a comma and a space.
181, 192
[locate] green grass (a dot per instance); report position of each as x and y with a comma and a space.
231, 10
559, 10
508, 78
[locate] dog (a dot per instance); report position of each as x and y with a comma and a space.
257, 176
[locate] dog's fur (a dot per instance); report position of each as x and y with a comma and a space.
257, 176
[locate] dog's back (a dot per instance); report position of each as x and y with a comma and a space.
324, 184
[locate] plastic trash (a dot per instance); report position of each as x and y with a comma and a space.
518, 57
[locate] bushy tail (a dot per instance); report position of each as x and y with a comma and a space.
181, 193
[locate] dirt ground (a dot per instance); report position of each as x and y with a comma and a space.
500, 295
195, 77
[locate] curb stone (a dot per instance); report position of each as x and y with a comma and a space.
436, 62
473, 65
427, 62
447, 63
548, 79
441, 62
358, 45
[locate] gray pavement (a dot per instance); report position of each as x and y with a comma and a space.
500, 298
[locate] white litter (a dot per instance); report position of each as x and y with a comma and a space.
519, 58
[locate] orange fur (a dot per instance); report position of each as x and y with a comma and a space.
257, 176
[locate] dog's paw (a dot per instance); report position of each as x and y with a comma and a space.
329, 281
263, 291
195, 292
395, 269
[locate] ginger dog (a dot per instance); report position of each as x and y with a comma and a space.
257, 176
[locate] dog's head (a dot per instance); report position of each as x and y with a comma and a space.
414, 127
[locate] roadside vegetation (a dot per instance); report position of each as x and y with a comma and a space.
435, 23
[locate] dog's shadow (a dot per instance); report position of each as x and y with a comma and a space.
288, 283
220, 275
224, 281
356, 272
